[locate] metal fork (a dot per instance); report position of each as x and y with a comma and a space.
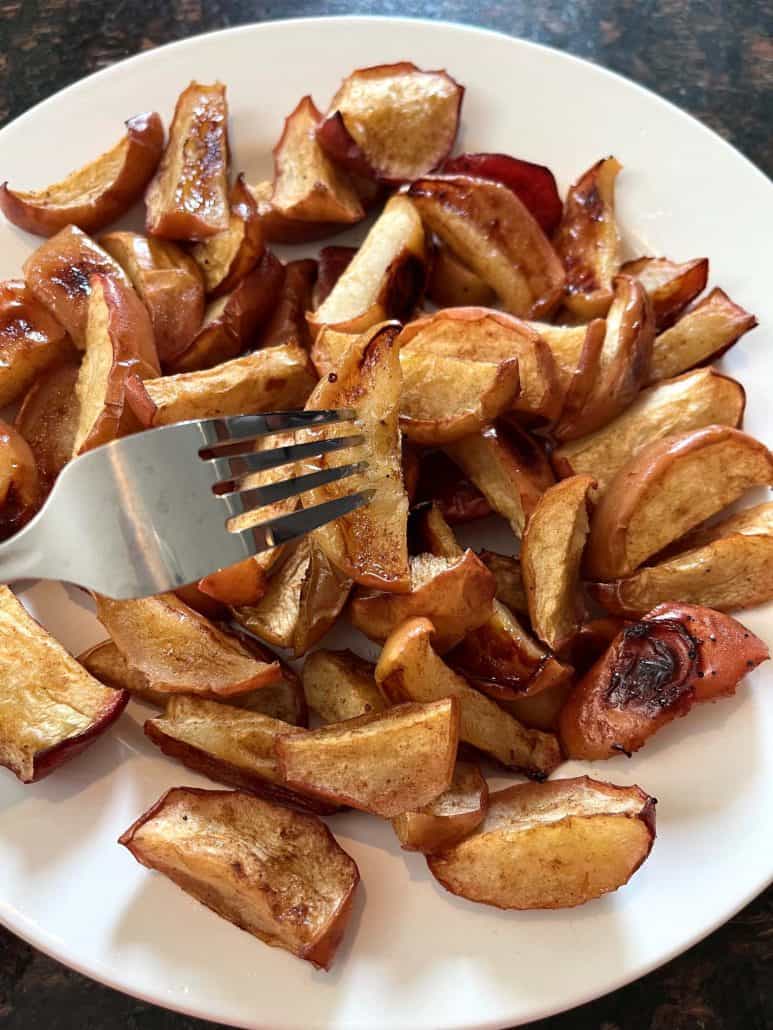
149, 512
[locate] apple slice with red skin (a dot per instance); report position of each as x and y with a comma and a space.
287, 323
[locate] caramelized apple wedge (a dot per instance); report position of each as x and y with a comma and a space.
455, 594
31, 341
339, 685
98, 193
493, 233
392, 122
287, 323
691, 401
551, 555
653, 672
181, 652
452, 284
48, 420
228, 256
410, 670
187, 198
330, 346
59, 275
278, 874
588, 242
332, 263
703, 333
20, 487
601, 832
384, 763
670, 286
727, 567
449, 817
653, 500
52, 708
229, 745
384, 279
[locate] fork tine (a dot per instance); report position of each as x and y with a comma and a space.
241, 501
241, 427
235, 465
287, 527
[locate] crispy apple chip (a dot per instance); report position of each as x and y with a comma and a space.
449, 817
339, 685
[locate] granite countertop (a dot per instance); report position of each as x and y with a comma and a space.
715, 59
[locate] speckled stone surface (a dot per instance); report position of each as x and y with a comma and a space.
712, 57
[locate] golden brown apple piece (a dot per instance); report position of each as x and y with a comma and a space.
278, 874
568, 345
727, 567
384, 763
226, 257
449, 817
653, 672
653, 499
59, 275
491, 231
120, 353
703, 333
332, 263
287, 323
279, 229
443, 484
169, 284
508, 577
540, 711
479, 334
455, 594
181, 652
392, 122
229, 745
98, 193
231, 322
303, 600
670, 286
52, 709
551, 555
48, 420
187, 198
551, 845
339, 685
613, 367
384, 279
410, 670
274, 379
20, 487
588, 242
369, 545
329, 348
508, 466
452, 284
691, 401
31, 341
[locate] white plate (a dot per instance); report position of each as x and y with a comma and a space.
414, 956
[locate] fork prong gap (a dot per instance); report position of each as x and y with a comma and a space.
292, 487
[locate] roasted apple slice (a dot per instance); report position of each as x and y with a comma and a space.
534, 185
670, 286
330, 347
540, 711
369, 545
410, 670
653, 500
278, 874
226, 257
303, 600
449, 817
20, 487
120, 353
48, 420
31, 341
106, 663
384, 763
508, 577
181, 652
96, 194
392, 122
551, 845
493, 233
703, 333
727, 567
332, 263
274, 379
287, 323
508, 466
455, 594
384, 279
169, 284
230, 745
575, 350
443, 484
653, 672
339, 685
479, 334
691, 401
588, 242
187, 198
452, 284
611, 370
551, 555
59, 274
52, 708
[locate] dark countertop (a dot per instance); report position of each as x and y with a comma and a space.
712, 57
